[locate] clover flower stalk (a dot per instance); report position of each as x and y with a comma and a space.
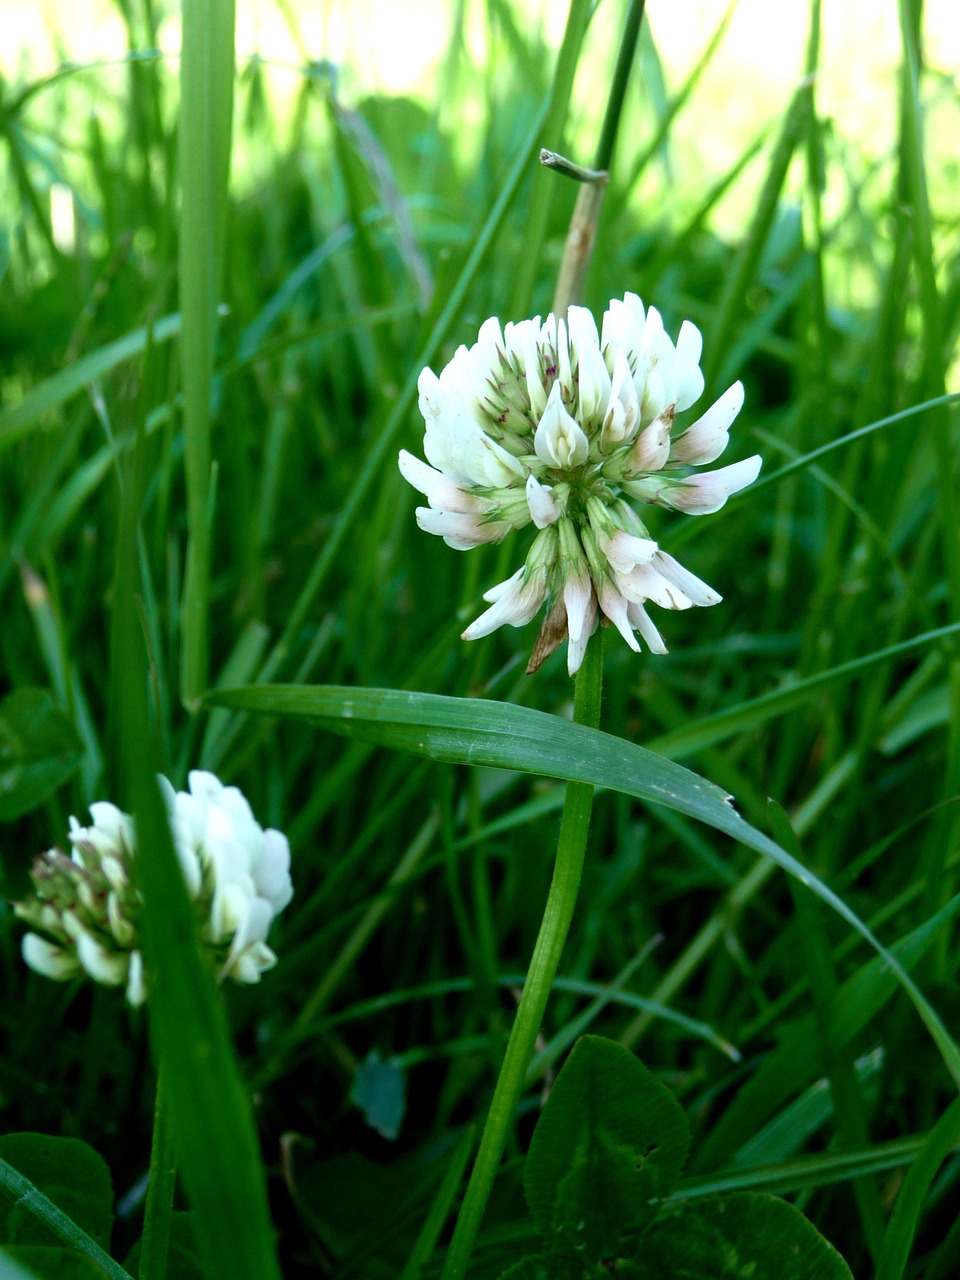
85, 912
566, 427
556, 424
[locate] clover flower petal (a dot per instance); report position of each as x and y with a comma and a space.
558, 440
707, 492
47, 958
543, 506
705, 440
557, 423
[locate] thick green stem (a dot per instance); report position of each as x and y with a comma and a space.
554, 928
578, 802
160, 1187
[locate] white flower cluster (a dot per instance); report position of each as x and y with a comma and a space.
86, 907
555, 423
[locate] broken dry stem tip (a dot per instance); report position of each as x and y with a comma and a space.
551, 160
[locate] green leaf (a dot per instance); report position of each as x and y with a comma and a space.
477, 732
378, 1090
69, 1173
183, 1257
611, 1142
744, 1236
39, 750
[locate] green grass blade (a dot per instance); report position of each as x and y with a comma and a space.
59, 387
902, 1228
680, 99
440, 1207
470, 731
240, 665
838, 1062
795, 127
216, 1138
795, 1062
810, 1171
599, 993
716, 728
385, 436
210, 1109
206, 101
544, 182
22, 1192
935, 359
547, 1057
807, 460
321, 994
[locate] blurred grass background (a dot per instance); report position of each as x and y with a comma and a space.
810, 229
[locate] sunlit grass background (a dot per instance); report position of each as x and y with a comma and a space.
370, 144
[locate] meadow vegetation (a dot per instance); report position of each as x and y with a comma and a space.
274, 327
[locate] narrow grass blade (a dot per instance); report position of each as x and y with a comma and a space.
935, 360
599, 993
386, 435
240, 665
794, 130
807, 460
680, 99
795, 1062
211, 1114
716, 728
206, 102
544, 183
501, 735
213, 1122
812, 1171
902, 1228
440, 1208
362, 934
21, 1190
58, 388
838, 1060
614, 993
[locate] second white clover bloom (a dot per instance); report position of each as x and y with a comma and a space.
244, 869
557, 424
85, 911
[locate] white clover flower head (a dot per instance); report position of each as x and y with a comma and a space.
86, 908
241, 872
558, 424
